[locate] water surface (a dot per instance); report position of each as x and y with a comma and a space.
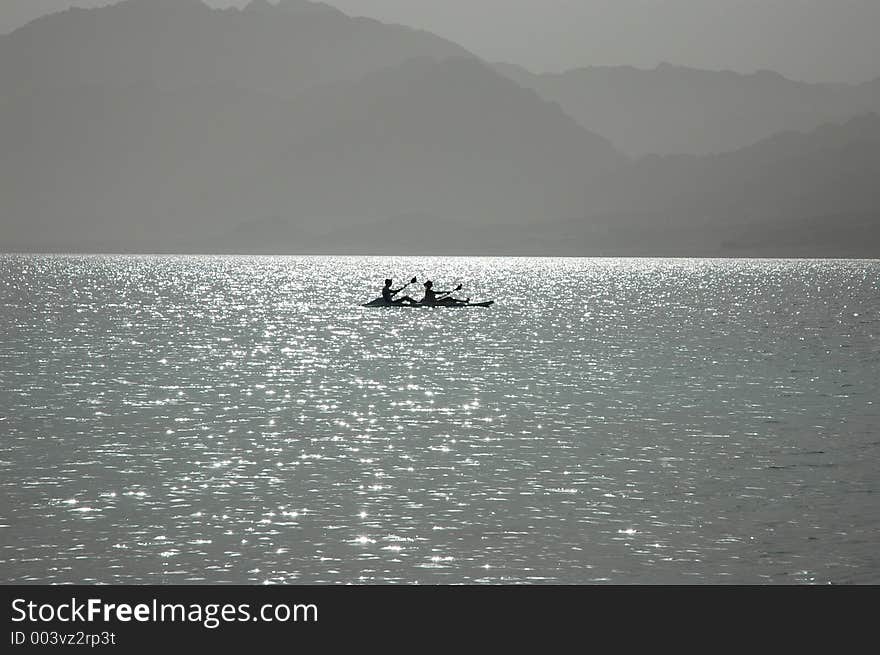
244, 420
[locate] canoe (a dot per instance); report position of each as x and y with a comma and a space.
380, 302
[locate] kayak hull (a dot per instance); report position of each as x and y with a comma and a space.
379, 302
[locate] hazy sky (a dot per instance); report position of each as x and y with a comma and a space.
813, 40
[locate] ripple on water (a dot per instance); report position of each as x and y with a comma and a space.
225, 420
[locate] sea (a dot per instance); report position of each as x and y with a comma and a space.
238, 419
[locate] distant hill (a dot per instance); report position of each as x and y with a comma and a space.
809, 194
168, 126
831, 168
676, 110
797, 193
160, 124
279, 49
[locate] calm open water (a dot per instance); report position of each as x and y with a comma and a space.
243, 419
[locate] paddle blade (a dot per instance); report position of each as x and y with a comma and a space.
458, 288
414, 280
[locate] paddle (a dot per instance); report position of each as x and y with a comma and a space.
446, 293
413, 281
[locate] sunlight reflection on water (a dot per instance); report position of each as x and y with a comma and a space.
244, 419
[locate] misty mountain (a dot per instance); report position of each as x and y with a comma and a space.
174, 123
165, 125
793, 194
279, 49
830, 168
676, 110
798, 193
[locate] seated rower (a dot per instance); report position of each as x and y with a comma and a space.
433, 298
388, 294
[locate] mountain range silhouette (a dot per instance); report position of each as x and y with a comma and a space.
169, 126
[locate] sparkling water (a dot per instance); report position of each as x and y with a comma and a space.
245, 420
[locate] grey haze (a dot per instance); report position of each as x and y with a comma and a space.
812, 40
165, 125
